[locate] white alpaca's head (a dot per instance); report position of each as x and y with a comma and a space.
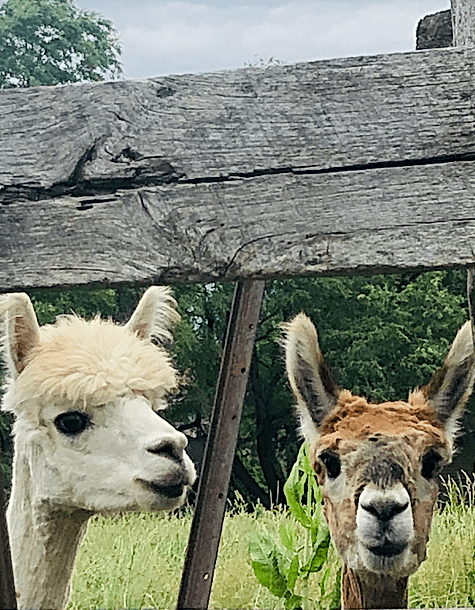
86, 397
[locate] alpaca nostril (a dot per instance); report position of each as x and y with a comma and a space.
385, 511
167, 449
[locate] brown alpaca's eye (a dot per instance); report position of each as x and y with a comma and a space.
332, 463
72, 422
430, 464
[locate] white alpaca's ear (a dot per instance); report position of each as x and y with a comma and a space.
309, 376
20, 332
451, 386
155, 315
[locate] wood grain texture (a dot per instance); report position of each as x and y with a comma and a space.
321, 115
271, 226
435, 31
463, 22
354, 165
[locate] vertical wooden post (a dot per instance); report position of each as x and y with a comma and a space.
471, 298
7, 586
197, 578
463, 22
463, 28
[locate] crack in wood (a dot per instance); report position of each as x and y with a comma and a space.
243, 246
419, 223
167, 174
78, 171
119, 117
147, 211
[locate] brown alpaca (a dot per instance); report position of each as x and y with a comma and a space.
377, 464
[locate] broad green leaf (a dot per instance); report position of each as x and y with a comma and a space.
269, 576
293, 602
297, 487
287, 536
266, 561
293, 573
318, 557
293, 496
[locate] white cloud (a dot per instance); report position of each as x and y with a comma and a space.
176, 37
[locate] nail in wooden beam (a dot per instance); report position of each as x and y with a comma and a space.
7, 586
197, 578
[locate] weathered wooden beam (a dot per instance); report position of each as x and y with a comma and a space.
342, 166
326, 115
208, 519
376, 220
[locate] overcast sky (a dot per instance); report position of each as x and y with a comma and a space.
173, 37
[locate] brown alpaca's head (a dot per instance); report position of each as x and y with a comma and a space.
378, 464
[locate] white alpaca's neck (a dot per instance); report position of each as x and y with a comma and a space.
44, 542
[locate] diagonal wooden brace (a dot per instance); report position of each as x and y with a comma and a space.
197, 578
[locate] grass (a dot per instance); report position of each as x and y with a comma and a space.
135, 561
447, 577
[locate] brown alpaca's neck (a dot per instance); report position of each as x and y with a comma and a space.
368, 590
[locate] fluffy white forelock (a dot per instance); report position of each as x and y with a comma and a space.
89, 364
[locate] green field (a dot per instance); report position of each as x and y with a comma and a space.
135, 561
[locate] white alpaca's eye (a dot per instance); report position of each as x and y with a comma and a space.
72, 422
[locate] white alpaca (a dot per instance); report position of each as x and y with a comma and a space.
87, 436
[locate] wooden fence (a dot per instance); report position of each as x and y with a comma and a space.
347, 166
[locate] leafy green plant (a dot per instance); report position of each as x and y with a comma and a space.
284, 566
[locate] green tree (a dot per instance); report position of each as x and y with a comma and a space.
383, 336
50, 42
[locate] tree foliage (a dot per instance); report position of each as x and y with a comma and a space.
382, 335
50, 42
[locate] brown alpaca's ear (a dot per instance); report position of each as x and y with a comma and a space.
20, 332
451, 386
155, 315
309, 376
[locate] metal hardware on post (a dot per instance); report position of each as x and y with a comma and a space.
198, 572
7, 585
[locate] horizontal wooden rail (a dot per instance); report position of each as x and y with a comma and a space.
354, 165
325, 115
369, 221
